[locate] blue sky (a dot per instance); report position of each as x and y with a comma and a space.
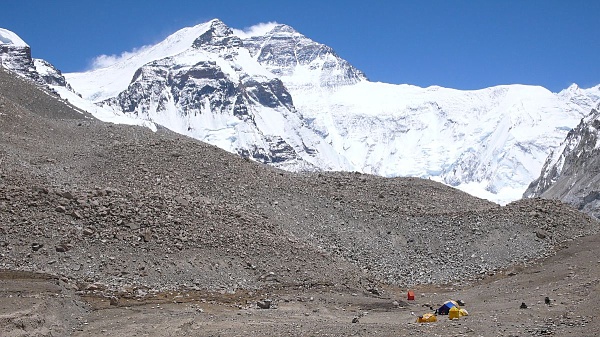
456, 44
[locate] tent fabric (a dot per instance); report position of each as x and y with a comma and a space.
453, 313
427, 318
463, 312
445, 308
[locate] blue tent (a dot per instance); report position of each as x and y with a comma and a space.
445, 308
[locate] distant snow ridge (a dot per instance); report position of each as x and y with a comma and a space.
274, 95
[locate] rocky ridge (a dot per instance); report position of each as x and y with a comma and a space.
17, 58
116, 209
571, 171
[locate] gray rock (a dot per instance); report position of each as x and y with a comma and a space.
264, 304
63, 247
67, 195
182, 201
540, 234
88, 231
146, 235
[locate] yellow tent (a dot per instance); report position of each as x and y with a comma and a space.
454, 313
427, 318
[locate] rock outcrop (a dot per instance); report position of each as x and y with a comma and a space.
571, 172
15, 55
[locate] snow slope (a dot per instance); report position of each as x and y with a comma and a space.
100, 84
9, 38
490, 142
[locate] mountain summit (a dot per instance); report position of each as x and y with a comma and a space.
202, 82
300, 61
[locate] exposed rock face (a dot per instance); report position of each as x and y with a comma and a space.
217, 37
203, 92
571, 172
49, 74
17, 58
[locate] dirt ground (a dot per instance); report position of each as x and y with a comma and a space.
35, 305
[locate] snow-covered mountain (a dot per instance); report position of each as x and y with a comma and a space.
280, 98
15, 55
572, 171
203, 83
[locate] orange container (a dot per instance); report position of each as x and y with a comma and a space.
411, 295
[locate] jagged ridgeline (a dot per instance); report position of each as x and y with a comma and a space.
571, 172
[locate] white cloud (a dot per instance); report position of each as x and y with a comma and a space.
103, 61
258, 29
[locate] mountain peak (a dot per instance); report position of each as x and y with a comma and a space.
573, 88
218, 34
283, 28
7, 37
220, 26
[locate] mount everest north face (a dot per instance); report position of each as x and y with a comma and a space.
280, 98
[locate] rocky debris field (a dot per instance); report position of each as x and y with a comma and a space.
559, 294
121, 212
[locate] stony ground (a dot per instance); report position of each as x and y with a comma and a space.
135, 232
33, 305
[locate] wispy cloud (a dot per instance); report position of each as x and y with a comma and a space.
103, 61
258, 29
